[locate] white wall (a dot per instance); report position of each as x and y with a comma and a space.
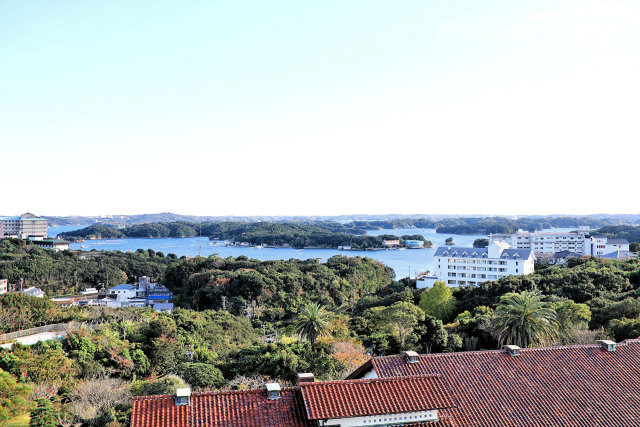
383, 419
457, 271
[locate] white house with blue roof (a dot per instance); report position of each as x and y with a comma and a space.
462, 266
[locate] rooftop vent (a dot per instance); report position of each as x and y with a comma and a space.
183, 396
305, 378
513, 350
273, 391
410, 356
607, 345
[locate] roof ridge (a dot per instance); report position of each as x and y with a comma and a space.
499, 350
154, 397
217, 392
372, 380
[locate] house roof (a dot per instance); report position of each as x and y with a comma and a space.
573, 385
346, 399
32, 291
161, 296
244, 408
617, 242
566, 254
162, 306
123, 287
619, 254
463, 252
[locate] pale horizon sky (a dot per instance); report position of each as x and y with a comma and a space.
319, 108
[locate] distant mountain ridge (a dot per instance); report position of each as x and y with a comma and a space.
123, 220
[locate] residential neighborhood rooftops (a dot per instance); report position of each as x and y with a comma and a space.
587, 385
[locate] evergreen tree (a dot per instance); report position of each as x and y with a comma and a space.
43, 415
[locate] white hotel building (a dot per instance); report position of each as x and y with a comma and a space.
460, 266
580, 242
25, 226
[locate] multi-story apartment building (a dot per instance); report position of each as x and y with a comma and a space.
25, 226
460, 266
4, 286
545, 245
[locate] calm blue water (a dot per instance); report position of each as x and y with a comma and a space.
404, 262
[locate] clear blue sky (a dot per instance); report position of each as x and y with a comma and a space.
332, 107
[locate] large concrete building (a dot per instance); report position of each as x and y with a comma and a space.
26, 226
461, 266
546, 245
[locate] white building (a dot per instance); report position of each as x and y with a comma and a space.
4, 286
123, 292
34, 292
460, 266
545, 245
144, 293
25, 226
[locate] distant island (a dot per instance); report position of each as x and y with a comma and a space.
319, 234
325, 233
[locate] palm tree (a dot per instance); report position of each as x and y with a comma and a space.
524, 319
313, 322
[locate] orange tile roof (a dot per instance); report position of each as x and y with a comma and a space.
244, 408
345, 399
551, 386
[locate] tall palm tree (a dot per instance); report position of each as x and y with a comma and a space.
313, 322
524, 319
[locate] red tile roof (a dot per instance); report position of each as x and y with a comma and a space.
551, 386
344, 399
245, 408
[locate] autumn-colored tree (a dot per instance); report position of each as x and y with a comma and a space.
349, 354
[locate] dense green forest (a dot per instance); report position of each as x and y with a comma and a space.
240, 322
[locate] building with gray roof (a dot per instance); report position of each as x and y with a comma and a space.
462, 266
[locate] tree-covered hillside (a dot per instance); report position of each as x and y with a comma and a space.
240, 322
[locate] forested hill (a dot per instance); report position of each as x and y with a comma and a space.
324, 234
632, 234
506, 225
